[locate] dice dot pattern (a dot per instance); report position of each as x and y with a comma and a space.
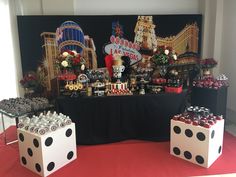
50, 166
24, 161
212, 134
68, 132
188, 133
70, 155
36, 143
220, 148
30, 152
176, 151
201, 136
49, 141
199, 159
187, 155
194, 126
21, 137
38, 167
177, 130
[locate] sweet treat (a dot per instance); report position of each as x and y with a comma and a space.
211, 82
198, 116
119, 89
18, 106
44, 123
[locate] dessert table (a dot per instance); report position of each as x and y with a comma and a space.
115, 118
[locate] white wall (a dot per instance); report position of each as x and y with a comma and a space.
108, 7
113, 7
208, 8
58, 7
212, 11
16, 46
29, 7
228, 64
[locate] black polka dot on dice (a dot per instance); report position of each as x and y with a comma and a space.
177, 129
199, 159
38, 167
23, 160
21, 137
188, 133
187, 155
70, 155
212, 134
30, 152
176, 151
201, 136
50, 166
68, 132
219, 150
36, 143
48, 141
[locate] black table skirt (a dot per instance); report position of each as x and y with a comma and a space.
111, 119
215, 100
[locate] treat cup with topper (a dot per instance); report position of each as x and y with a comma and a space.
117, 66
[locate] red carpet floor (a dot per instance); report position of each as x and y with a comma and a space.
124, 159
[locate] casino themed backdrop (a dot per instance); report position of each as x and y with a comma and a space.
42, 38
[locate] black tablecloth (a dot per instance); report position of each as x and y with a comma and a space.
214, 99
110, 119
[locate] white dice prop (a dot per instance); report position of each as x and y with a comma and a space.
44, 154
196, 144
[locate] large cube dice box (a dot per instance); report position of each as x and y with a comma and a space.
197, 144
44, 154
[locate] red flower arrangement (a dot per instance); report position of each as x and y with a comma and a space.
70, 61
208, 63
164, 55
30, 81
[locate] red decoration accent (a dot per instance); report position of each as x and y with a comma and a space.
182, 119
195, 123
211, 122
108, 61
188, 121
173, 89
67, 76
176, 117
219, 117
206, 125
159, 80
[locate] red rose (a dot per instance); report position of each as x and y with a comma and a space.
70, 52
169, 48
171, 61
76, 61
